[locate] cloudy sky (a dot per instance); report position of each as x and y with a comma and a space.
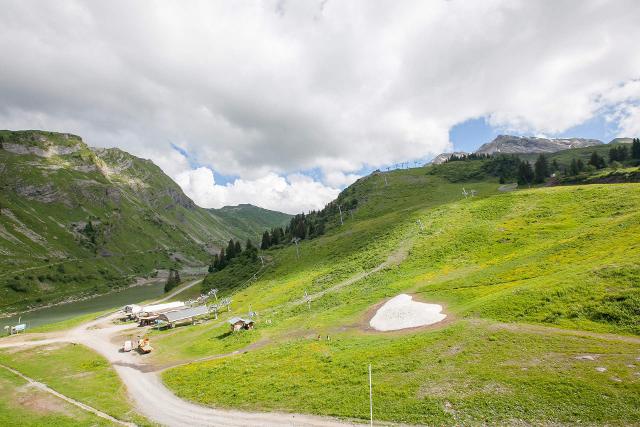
283, 103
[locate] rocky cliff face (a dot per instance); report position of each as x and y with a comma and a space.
509, 144
74, 219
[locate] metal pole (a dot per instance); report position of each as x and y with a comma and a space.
370, 397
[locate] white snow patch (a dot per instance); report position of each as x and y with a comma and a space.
402, 312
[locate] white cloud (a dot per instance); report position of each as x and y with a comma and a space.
267, 89
627, 118
292, 194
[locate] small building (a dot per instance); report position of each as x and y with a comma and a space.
160, 308
238, 323
131, 309
16, 329
181, 316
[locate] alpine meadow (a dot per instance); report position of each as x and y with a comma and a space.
319, 213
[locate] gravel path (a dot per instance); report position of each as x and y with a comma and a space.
149, 394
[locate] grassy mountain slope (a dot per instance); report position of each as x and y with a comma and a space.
250, 220
532, 281
76, 220
564, 157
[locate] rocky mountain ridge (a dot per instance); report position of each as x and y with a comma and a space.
510, 144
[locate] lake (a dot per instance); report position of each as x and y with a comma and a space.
69, 310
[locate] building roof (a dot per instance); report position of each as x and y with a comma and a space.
175, 316
160, 307
235, 320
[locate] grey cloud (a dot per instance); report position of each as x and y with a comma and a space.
260, 87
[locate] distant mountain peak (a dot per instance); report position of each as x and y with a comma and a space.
511, 144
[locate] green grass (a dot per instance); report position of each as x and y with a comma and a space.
530, 280
469, 373
565, 258
23, 405
76, 372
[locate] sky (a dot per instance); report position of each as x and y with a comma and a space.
283, 103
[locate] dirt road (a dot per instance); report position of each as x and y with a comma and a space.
146, 390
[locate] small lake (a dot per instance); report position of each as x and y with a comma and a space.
69, 310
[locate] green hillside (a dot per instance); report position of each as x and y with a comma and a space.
79, 221
249, 220
540, 287
564, 157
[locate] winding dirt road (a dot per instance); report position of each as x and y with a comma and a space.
146, 390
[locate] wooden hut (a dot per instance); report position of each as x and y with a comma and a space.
238, 323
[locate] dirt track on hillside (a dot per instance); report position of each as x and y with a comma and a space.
150, 396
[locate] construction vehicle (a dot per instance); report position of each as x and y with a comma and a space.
143, 346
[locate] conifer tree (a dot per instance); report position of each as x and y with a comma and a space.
214, 264
597, 161
635, 148
525, 173
266, 241
231, 250
541, 169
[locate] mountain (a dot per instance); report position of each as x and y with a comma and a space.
621, 141
510, 144
251, 220
539, 285
76, 220
442, 158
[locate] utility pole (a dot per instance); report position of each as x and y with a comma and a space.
370, 397
340, 209
295, 240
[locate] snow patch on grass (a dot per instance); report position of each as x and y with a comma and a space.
401, 312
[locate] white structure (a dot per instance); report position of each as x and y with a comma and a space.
132, 309
160, 308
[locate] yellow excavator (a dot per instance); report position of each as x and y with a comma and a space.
144, 346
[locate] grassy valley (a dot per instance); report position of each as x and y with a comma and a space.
540, 287
79, 221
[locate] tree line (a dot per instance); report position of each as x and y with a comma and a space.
470, 156
234, 250
312, 224
509, 167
